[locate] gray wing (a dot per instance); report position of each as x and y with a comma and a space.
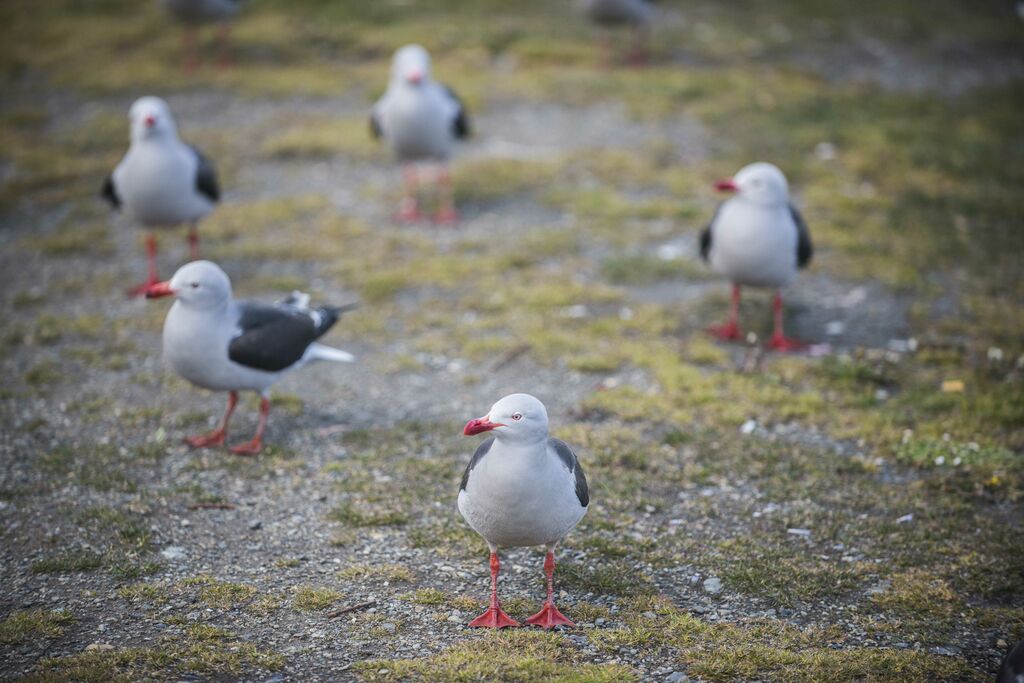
804, 248
375, 130
481, 451
206, 176
569, 459
460, 126
109, 192
705, 236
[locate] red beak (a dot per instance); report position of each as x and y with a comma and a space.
727, 185
479, 426
150, 121
415, 77
159, 289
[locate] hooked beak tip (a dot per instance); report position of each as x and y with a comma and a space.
479, 426
150, 121
727, 185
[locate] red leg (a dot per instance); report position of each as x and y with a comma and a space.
152, 278
549, 616
408, 209
224, 40
217, 436
779, 341
731, 330
494, 617
190, 55
639, 57
253, 447
446, 213
193, 242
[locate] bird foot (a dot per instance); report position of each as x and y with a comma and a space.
409, 213
726, 332
248, 448
549, 617
494, 617
446, 217
141, 288
215, 438
784, 344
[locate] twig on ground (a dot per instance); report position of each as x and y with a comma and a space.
211, 506
351, 608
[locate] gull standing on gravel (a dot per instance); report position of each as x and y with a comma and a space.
758, 239
636, 14
161, 181
221, 344
195, 13
421, 120
522, 488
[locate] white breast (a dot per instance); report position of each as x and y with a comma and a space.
521, 497
157, 182
196, 347
418, 122
753, 244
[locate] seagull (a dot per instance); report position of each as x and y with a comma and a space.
420, 119
758, 239
221, 344
637, 14
1012, 668
193, 13
521, 488
162, 181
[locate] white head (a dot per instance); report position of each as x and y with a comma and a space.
517, 418
761, 183
200, 284
151, 118
410, 65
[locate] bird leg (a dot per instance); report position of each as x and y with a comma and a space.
639, 56
446, 214
224, 44
408, 209
494, 617
217, 436
253, 447
193, 242
549, 616
190, 53
152, 278
731, 330
779, 341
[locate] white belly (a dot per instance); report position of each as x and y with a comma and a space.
159, 189
754, 245
198, 351
418, 129
511, 504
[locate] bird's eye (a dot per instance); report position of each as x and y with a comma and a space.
195, 285
517, 416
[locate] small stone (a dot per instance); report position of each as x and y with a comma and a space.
389, 627
600, 621
713, 585
173, 552
255, 524
905, 518
748, 427
99, 647
835, 328
677, 677
803, 533
649, 615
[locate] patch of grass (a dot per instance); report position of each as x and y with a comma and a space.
321, 138
604, 578
639, 269
222, 594
390, 573
427, 596
22, 626
359, 516
503, 656
69, 562
314, 598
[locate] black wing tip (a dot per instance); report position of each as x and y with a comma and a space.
375, 129
109, 192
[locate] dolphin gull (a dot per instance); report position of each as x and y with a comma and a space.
521, 488
420, 119
194, 13
637, 14
758, 239
221, 344
161, 181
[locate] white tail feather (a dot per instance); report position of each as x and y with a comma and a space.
324, 352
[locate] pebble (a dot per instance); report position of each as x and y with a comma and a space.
173, 552
713, 585
389, 627
255, 524
677, 677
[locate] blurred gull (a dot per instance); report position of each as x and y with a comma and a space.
161, 181
636, 14
194, 13
420, 119
758, 239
